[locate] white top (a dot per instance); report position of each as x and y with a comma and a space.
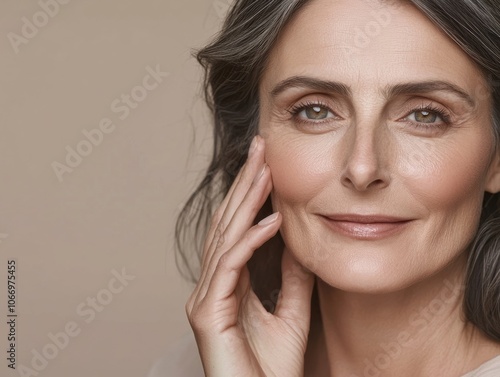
183, 361
488, 369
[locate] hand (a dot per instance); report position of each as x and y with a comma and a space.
235, 334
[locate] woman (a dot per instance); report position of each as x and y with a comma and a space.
359, 237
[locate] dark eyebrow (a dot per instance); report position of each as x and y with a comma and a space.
311, 83
427, 87
391, 91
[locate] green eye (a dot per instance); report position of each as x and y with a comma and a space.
314, 117
426, 116
312, 112
316, 112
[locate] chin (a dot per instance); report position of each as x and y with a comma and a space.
364, 269
364, 282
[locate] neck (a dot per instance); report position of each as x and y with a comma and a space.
417, 331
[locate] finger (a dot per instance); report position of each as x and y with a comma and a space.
215, 237
294, 303
225, 279
247, 182
252, 168
243, 217
220, 217
230, 265
241, 222
217, 216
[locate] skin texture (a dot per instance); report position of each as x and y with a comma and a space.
358, 141
359, 147
367, 160
235, 334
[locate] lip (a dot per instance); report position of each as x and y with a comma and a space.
366, 227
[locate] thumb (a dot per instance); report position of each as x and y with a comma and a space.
297, 285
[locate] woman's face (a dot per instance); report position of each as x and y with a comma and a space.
379, 141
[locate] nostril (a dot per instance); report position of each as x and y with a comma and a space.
366, 163
363, 183
377, 182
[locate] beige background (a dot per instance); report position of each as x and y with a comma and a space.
115, 210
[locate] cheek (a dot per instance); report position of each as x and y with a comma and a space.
443, 176
300, 169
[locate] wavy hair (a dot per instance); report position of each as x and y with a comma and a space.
233, 64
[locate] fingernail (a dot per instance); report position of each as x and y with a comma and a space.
253, 146
260, 174
269, 219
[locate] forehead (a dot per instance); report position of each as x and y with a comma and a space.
368, 43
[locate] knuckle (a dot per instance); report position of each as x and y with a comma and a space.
223, 262
197, 320
220, 235
215, 220
248, 238
192, 316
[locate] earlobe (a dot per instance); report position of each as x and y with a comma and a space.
493, 177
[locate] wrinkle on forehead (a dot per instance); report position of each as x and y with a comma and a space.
339, 51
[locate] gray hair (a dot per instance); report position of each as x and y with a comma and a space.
234, 63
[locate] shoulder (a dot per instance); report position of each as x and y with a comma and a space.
181, 360
490, 368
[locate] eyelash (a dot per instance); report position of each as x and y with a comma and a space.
296, 109
445, 117
442, 114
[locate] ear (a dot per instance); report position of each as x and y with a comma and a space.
493, 177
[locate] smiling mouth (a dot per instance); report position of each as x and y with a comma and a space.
366, 227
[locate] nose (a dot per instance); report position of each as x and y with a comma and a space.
366, 157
